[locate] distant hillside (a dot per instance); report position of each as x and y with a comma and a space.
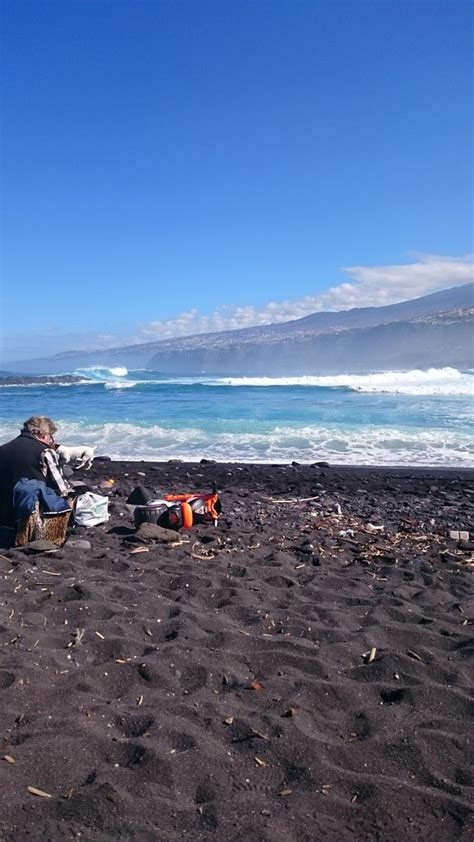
434, 330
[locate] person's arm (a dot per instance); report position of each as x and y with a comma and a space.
49, 460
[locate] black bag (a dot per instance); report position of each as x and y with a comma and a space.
161, 513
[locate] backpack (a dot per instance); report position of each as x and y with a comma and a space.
176, 511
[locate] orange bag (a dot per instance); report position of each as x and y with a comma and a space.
198, 508
176, 511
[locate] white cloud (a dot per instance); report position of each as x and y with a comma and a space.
378, 285
369, 286
366, 286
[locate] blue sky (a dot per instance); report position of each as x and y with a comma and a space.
173, 167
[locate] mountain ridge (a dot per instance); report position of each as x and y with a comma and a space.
435, 329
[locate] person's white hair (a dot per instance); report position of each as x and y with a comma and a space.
39, 425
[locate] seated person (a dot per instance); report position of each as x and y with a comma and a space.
30, 456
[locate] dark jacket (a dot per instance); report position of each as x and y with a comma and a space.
19, 458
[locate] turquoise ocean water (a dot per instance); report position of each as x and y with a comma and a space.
394, 418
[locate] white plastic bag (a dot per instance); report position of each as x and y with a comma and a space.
91, 509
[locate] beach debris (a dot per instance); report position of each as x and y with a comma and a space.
260, 735
8, 758
241, 732
121, 661
371, 527
77, 636
285, 791
201, 554
292, 500
106, 483
414, 655
33, 790
289, 713
100, 635
260, 762
371, 655
228, 720
346, 533
139, 550
139, 701
325, 789
354, 797
459, 535
257, 685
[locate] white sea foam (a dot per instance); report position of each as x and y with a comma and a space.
119, 384
368, 444
434, 381
41, 385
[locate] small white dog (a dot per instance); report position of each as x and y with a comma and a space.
84, 456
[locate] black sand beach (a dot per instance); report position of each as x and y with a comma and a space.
295, 673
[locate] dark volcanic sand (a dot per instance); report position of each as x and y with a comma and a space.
227, 696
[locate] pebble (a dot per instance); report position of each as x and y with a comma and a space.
153, 532
39, 546
78, 544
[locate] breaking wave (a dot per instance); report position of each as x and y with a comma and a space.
447, 382
101, 373
434, 381
111, 378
